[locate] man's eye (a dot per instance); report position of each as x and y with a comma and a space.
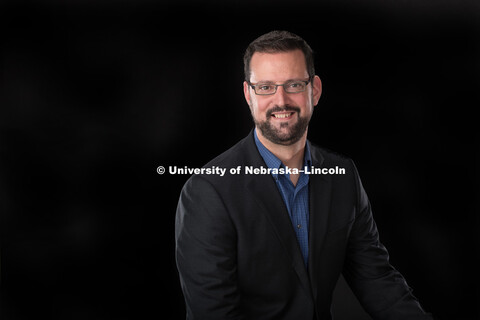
264, 87
295, 84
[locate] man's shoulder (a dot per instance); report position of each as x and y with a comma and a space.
327, 155
239, 155
234, 156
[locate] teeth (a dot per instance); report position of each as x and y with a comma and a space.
282, 115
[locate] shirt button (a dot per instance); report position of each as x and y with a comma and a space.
299, 226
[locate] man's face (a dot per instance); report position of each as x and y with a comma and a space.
282, 117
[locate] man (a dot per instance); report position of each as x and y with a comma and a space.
272, 245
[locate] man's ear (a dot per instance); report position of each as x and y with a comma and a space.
317, 89
246, 92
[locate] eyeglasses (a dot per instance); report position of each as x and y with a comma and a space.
267, 88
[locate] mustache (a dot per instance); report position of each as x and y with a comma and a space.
282, 109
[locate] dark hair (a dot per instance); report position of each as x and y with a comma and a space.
278, 41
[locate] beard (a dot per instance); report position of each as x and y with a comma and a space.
283, 137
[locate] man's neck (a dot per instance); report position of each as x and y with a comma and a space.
291, 155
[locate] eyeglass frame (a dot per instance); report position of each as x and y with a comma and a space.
253, 85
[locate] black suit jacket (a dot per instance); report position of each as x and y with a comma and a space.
238, 256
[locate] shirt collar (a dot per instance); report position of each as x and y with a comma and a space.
272, 161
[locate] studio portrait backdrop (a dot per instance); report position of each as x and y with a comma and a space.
95, 95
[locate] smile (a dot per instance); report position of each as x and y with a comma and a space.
283, 115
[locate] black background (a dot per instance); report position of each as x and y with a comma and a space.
96, 95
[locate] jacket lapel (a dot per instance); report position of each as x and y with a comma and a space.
319, 199
265, 192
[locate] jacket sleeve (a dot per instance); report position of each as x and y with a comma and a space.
205, 240
381, 289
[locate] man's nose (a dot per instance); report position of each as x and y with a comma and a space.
280, 96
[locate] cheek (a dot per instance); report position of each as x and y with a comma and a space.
304, 100
259, 107
308, 102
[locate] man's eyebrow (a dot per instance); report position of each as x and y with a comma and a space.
266, 82
273, 82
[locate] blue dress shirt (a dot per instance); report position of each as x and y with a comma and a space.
295, 197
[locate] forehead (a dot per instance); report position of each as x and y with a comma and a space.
278, 66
